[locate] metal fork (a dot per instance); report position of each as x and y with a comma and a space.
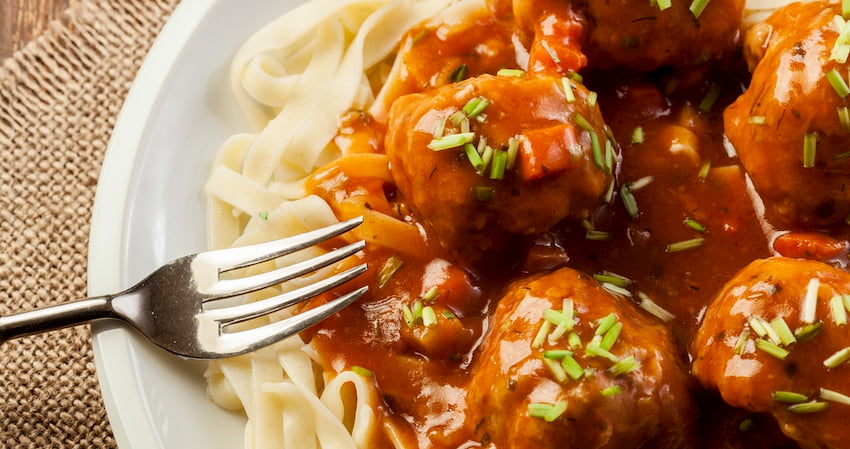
172, 306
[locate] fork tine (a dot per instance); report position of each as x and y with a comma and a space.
234, 287
244, 312
233, 258
237, 343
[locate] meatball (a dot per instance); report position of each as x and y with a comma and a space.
528, 158
791, 127
534, 389
774, 340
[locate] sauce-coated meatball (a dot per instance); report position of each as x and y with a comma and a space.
772, 342
555, 173
787, 128
633, 394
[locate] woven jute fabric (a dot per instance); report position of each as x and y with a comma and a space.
59, 98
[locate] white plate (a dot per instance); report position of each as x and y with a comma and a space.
149, 209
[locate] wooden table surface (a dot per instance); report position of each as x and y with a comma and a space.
22, 20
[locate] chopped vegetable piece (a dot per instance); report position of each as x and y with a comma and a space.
263, 215
710, 98
591, 98
745, 425
547, 412
483, 193
605, 323
360, 371
486, 157
447, 314
841, 48
559, 318
810, 147
646, 303
685, 245
429, 317
513, 150
612, 278
556, 354
615, 289
611, 336
839, 313
440, 129
571, 367
473, 157
497, 168
629, 200
771, 349
609, 157
568, 90
641, 183
624, 366
582, 122
703, 171
810, 302
407, 314
431, 295
845, 9
840, 356
598, 158
540, 337
611, 391
458, 74
388, 270
837, 82
808, 407
808, 331
458, 117
693, 224
757, 325
789, 397
593, 234
451, 141
786, 337
594, 350
511, 72
574, 340
741, 344
844, 117
663, 4
556, 369
697, 6
757, 120
637, 136
834, 396
476, 106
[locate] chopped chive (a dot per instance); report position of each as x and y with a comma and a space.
551, 51
263, 215
407, 314
458, 117
647, 304
789, 397
703, 171
837, 82
808, 331
557, 318
786, 337
573, 340
556, 369
839, 313
741, 344
486, 156
624, 366
808, 407
594, 350
582, 122
844, 117
473, 157
612, 278
602, 236
841, 156
846, 300
429, 317
697, 6
575, 76
616, 289
629, 200
772, 335
663, 4
540, 337
641, 183
597, 150
417, 308
757, 120
440, 129
497, 168
451, 141
360, 371
483, 193
447, 314
591, 98
710, 98
693, 224
834, 396
611, 336
810, 146
571, 367
845, 8
513, 150
611, 391
810, 302
388, 270
556, 354
605, 323
609, 156
431, 295
841, 47
745, 424
459, 73
685, 245
637, 136
757, 326
771, 349
840, 356
475, 106
464, 125
568, 90
547, 412
511, 72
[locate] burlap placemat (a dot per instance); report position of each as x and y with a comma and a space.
59, 98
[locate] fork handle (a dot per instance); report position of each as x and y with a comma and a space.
55, 317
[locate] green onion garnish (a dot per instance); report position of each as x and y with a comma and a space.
473, 157
647, 304
771, 349
431, 295
547, 412
839, 313
693, 224
612, 278
810, 146
810, 302
429, 317
568, 90
388, 270
440, 129
582, 122
497, 168
611, 336
741, 344
556, 369
513, 150
571, 367
786, 337
834, 396
263, 215
710, 98
808, 407
407, 314
360, 371
808, 331
637, 136
611, 391
841, 47
591, 98
593, 349
624, 366
745, 424
663, 4
511, 72
837, 82
757, 120
703, 171
789, 397
483, 193
556, 354
629, 200
447, 314
844, 117
602, 236
616, 289
451, 141
685, 245
573, 340
458, 117
840, 356
605, 323
758, 326
458, 74
486, 156
598, 159
551, 51
697, 6
559, 318
476, 106
540, 337
609, 157
417, 308
845, 9
641, 183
